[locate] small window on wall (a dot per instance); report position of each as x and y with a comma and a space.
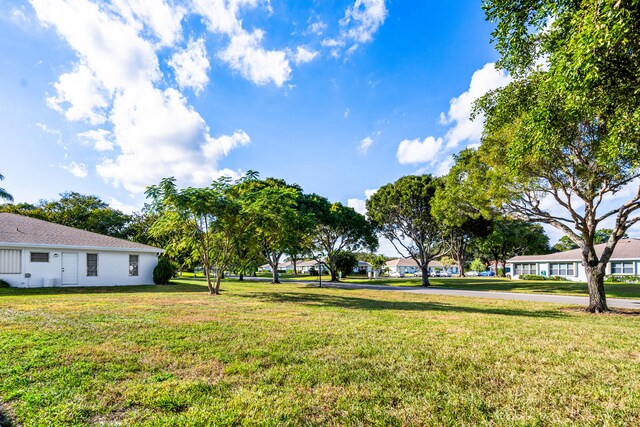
39, 256
92, 264
133, 265
622, 267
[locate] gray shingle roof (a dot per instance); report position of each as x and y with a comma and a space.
625, 249
18, 229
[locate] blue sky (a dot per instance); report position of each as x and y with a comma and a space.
340, 97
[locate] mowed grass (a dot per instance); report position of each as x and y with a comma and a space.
292, 354
613, 290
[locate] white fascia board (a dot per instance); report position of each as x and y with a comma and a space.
80, 248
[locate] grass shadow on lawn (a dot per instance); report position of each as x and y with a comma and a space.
5, 421
182, 287
357, 303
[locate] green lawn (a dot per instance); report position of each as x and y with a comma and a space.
614, 290
293, 354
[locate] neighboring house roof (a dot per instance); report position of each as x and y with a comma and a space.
19, 231
363, 264
625, 249
409, 262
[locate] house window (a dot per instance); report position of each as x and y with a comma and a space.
39, 256
92, 264
526, 269
561, 269
622, 267
10, 261
133, 265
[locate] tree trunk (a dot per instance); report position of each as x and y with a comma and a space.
241, 276
218, 280
597, 296
295, 266
425, 275
334, 276
209, 285
275, 277
461, 267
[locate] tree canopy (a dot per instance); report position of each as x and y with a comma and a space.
564, 135
402, 212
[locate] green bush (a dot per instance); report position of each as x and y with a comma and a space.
559, 278
622, 279
532, 277
164, 271
4, 284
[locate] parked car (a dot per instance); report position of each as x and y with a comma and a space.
472, 274
417, 274
395, 274
444, 273
487, 273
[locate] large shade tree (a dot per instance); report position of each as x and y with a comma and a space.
200, 219
273, 207
564, 137
402, 213
338, 228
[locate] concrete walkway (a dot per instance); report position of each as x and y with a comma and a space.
557, 299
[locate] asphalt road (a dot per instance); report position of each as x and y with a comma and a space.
557, 299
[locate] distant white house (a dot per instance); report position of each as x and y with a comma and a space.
625, 260
409, 266
304, 267
36, 253
282, 266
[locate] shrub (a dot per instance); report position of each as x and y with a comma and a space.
4, 284
164, 271
622, 279
532, 277
559, 278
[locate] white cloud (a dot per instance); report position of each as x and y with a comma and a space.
117, 82
363, 19
245, 52
100, 138
246, 55
358, 205
122, 207
191, 66
346, 113
82, 94
159, 17
444, 166
78, 170
416, 151
460, 108
365, 144
159, 135
317, 27
358, 26
303, 55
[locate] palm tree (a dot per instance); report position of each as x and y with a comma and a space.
3, 193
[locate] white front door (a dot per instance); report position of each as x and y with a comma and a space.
69, 268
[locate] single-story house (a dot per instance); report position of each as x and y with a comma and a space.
409, 266
282, 266
625, 260
36, 253
494, 266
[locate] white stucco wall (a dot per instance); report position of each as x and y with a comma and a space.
581, 275
113, 268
